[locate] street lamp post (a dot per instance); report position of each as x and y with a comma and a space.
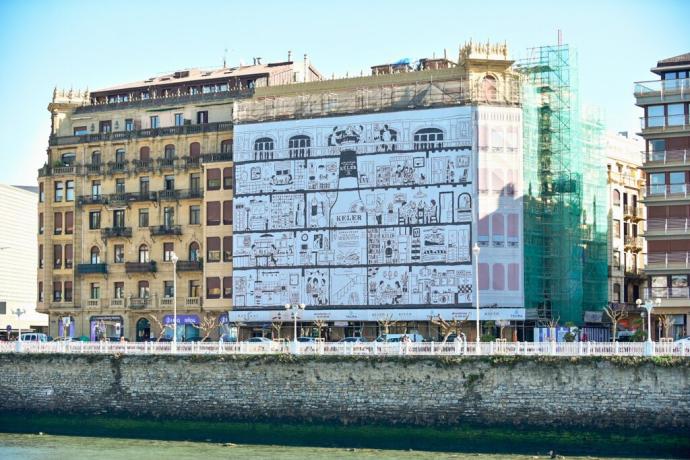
19, 312
294, 309
475, 251
174, 259
648, 305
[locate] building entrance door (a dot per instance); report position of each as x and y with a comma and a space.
143, 330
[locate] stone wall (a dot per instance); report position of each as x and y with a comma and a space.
540, 391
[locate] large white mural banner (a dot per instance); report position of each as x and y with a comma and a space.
355, 213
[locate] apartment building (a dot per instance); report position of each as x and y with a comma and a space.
627, 245
17, 271
665, 128
135, 202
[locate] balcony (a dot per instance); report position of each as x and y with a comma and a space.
666, 90
216, 157
668, 293
159, 230
667, 158
117, 303
166, 302
67, 170
139, 303
192, 163
139, 134
661, 124
92, 199
140, 267
168, 195
668, 261
192, 302
634, 243
634, 272
667, 227
93, 169
87, 269
93, 303
142, 166
625, 179
189, 266
118, 167
166, 164
117, 232
632, 212
662, 192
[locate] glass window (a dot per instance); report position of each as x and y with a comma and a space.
144, 186
40, 291
57, 223
119, 186
616, 260
616, 292
657, 183
143, 254
655, 116
169, 216
169, 183
179, 119
119, 290
169, 152
119, 218
70, 190
69, 222
143, 217
213, 249
68, 256
168, 249
57, 291
119, 253
227, 212
194, 288
95, 291
96, 189
677, 182
68, 291
194, 215
227, 249
168, 289
676, 114
227, 287
94, 220
143, 288
120, 156
40, 256
58, 191
226, 146
41, 193
616, 228
213, 179
129, 124
95, 255
213, 288
227, 178
104, 126
154, 122
194, 252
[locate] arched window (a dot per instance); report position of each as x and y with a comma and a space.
299, 146
194, 150
616, 292
96, 157
120, 156
95, 255
169, 152
263, 149
143, 254
616, 198
428, 139
144, 154
143, 288
194, 251
226, 146
489, 87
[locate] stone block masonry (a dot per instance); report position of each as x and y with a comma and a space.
587, 393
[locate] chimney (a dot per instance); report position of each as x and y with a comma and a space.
289, 56
305, 68
445, 54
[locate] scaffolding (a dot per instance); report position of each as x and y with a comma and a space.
566, 199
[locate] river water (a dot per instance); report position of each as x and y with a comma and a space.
35, 447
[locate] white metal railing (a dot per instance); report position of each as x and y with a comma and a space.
664, 123
363, 349
667, 225
665, 191
663, 88
668, 260
668, 156
668, 293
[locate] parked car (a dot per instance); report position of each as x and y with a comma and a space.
353, 340
34, 337
684, 341
307, 339
414, 337
259, 340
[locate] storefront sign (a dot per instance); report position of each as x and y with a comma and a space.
181, 319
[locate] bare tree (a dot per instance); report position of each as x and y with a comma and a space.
386, 323
276, 327
320, 324
666, 322
207, 325
448, 327
160, 326
615, 315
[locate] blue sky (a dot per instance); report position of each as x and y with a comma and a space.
97, 44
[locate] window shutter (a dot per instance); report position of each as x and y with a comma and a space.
194, 150
227, 212
69, 222
213, 213
144, 154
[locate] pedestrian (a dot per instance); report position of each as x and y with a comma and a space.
584, 336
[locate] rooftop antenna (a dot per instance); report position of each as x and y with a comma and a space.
225, 54
560, 37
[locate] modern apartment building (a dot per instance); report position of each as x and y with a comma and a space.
17, 270
139, 176
626, 182
666, 132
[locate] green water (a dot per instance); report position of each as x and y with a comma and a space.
30, 447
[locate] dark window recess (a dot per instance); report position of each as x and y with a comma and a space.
57, 223
202, 117
227, 249
227, 178
213, 288
213, 179
144, 154
213, 249
227, 212
194, 150
227, 287
213, 213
